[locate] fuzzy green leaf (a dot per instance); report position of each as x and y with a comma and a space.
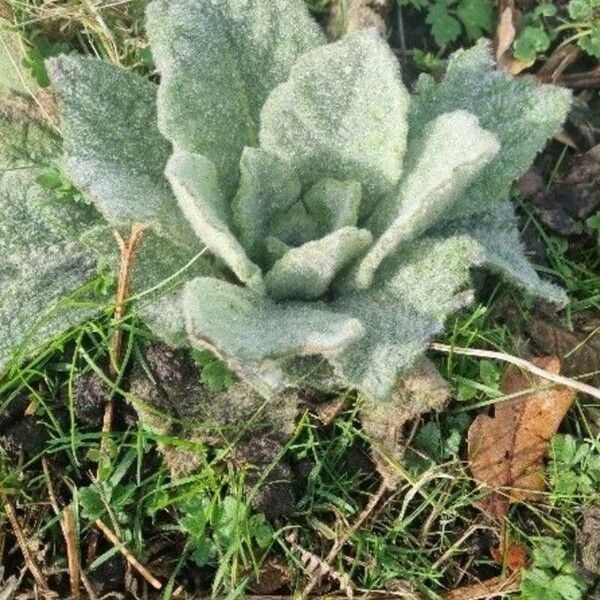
420, 288
520, 112
195, 182
294, 227
41, 266
114, 151
219, 59
497, 235
246, 329
442, 169
341, 114
305, 273
268, 186
333, 204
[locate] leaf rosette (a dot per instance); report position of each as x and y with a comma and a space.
346, 214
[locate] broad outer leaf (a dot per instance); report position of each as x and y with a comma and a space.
40, 265
246, 328
506, 451
195, 182
306, 272
503, 252
114, 151
341, 114
407, 306
218, 60
454, 149
267, 186
520, 112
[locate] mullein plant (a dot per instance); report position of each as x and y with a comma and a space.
308, 219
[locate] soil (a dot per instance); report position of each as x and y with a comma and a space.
91, 395
590, 541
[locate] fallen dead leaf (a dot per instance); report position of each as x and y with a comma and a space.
273, 575
328, 411
507, 450
505, 30
574, 197
556, 64
504, 38
578, 350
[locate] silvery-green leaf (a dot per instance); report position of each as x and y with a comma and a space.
247, 328
218, 60
418, 288
497, 234
40, 265
341, 114
454, 149
519, 111
274, 250
333, 204
195, 183
114, 151
267, 186
294, 227
164, 316
306, 272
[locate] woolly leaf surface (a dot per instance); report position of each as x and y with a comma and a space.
114, 151
195, 182
218, 60
267, 186
305, 273
295, 226
454, 149
400, 316
333, 204
520, 112
250, 331
497, 234
40, 266
341, 114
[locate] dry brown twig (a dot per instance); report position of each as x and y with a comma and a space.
584, 388
130, 558
30, 561
67, 526
128, 249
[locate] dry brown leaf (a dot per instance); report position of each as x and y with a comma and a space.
273, 575
505, 31
578, 350
504, 38
508, 449
589, 540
